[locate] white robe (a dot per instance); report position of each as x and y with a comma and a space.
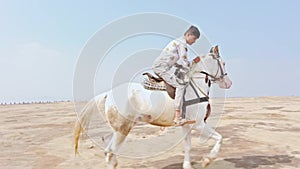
175, 53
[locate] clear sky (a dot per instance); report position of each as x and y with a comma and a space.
41, 41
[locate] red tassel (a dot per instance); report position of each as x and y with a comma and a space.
208, 110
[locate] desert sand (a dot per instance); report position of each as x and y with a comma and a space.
259, 133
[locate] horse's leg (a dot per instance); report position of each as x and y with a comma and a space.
121, 127
210, 132
187, 148
107, 138
112, 149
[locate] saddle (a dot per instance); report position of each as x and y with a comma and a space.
158, 83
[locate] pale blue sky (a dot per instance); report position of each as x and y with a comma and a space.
41, 40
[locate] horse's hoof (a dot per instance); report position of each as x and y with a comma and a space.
187, 165
206, 161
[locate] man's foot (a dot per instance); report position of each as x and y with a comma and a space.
179, 121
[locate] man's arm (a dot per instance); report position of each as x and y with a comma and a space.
182, 53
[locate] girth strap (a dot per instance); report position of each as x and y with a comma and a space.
195, 101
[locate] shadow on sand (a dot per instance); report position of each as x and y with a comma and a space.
250, 162
245, 162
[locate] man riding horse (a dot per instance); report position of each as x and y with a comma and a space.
175, 54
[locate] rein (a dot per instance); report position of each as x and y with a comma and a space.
193, 82
213, 78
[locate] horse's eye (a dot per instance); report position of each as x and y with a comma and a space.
223, 63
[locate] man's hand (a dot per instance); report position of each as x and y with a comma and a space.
196, 59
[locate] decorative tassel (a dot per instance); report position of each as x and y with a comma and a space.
208, 110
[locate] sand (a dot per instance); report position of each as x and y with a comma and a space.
260, 133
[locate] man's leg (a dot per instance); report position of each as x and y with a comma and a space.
170, 78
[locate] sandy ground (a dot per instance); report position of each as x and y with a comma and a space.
259, 133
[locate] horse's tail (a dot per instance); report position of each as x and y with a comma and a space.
84, 120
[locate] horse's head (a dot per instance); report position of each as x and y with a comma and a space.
214, 68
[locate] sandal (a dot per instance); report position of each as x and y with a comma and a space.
179, 121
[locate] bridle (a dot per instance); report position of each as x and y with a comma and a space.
214, 78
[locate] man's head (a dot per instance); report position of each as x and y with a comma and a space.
191, 35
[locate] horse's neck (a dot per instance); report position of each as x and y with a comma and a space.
200, 81
201, 85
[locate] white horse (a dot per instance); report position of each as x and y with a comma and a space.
122, 117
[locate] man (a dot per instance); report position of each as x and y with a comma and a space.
175, 54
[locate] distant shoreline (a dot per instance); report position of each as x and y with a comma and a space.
63, 101
34, 102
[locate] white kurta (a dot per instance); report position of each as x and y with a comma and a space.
175, 53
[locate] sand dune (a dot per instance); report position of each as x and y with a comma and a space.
259, 133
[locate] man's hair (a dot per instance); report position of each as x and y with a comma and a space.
193, 30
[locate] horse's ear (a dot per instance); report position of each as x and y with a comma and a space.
211, 50
216, 49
